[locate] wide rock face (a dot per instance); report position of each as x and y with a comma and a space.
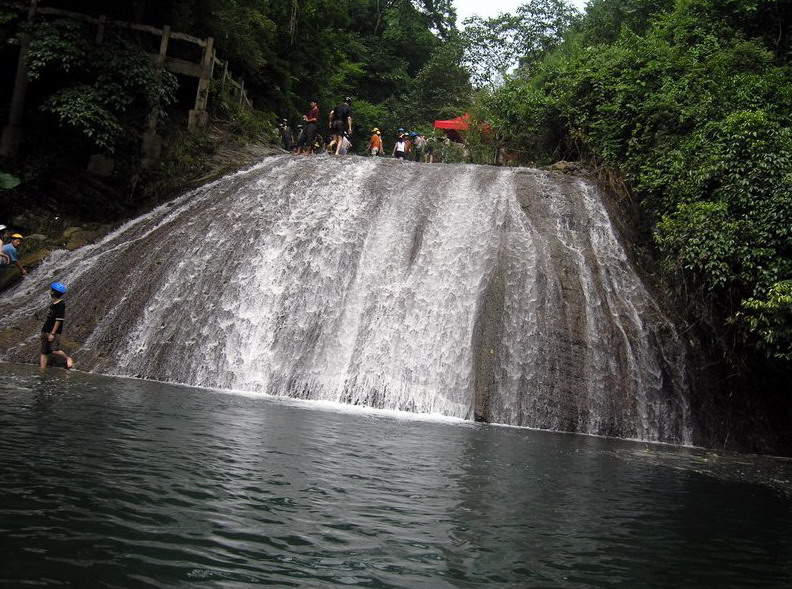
469, 291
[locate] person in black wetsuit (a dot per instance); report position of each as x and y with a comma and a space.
286, 135
53, 326
300, 138
341, 123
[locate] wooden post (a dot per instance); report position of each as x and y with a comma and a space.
152, 143
225, 76
199, 118
241, 91
12, 132
100, 29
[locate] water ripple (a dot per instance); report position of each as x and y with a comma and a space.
117, 483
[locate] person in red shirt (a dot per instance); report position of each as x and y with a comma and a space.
305, 145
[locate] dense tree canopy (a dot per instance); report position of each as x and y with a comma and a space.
496, 46
691, 103
287, 51
399, 60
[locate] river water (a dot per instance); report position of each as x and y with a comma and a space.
113, 482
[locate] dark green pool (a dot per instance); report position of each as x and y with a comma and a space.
121, 483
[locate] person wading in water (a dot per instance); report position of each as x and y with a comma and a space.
53, 326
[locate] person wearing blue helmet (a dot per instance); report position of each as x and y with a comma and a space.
53, 326
415, 154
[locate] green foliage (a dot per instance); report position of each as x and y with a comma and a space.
252, 125
8, 181
442, 87
496, 46
440, 16
489, 44
524, 119
366, 117
770, 318
691, 101
184, 157
101, 95
7, 19
245, 34
61, 47
406, 33
605, 19
82, 107
6, 16
388, 53
704, 240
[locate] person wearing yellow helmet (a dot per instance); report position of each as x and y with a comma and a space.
10, 254
375, 145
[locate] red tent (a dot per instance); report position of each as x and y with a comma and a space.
453, 127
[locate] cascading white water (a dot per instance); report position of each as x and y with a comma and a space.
469, 291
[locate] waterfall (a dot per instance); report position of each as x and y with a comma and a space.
502, 295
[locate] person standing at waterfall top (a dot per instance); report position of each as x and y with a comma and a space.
300, 138
305, 144
341, 123
53, 327
375, 145
399, 148
286, 135
407, 147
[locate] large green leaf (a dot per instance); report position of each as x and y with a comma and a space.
7, 181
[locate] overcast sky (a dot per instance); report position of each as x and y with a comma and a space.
489, 8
